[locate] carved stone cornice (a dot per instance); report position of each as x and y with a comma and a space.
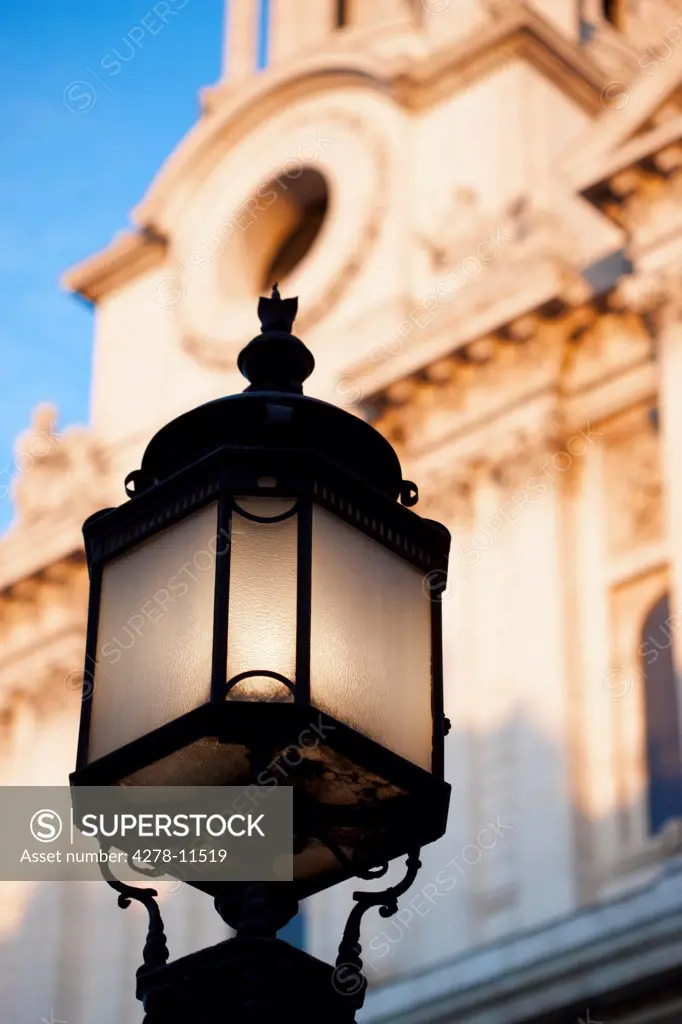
479, 379
646, 201
131, 253
515, 30
519, 256
516, 399
614, 340
533, 457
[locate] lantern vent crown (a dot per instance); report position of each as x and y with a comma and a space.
276, 360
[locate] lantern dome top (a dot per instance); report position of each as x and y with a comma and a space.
272, 414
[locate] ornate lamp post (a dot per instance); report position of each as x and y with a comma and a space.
308, 629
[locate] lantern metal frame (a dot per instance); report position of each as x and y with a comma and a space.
271, 441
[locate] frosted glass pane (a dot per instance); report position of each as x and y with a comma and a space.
155, 636
371, 639
261, 630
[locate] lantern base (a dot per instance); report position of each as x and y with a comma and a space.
249, 979
356, 804
264, 975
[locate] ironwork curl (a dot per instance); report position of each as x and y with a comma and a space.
155, 953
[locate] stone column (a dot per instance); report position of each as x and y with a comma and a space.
492, 695
299, 26
537, 668
594, 683
241, 38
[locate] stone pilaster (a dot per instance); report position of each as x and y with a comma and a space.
241, 37
494, 725
297, 26
594, 682
536, 666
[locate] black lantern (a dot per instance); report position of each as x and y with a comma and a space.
267, 607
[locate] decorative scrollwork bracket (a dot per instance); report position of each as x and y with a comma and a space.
348, 976
155, 953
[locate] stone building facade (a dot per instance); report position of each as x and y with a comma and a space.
479, 205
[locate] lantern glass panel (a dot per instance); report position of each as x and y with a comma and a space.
262, 603
371, 639
155, 633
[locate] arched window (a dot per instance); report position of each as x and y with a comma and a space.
612, 10
662, 727
303, 209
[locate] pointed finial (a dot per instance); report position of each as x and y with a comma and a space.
276, 313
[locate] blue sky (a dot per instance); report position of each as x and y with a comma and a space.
68, 177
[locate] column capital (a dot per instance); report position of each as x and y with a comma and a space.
531, 450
